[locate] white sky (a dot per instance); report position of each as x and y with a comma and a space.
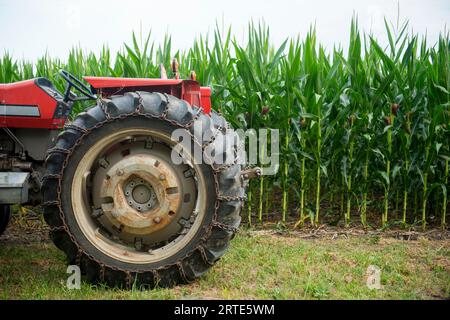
30, 27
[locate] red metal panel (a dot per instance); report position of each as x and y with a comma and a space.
205, 93
191, 92
28, 93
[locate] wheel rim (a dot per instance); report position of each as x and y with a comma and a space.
131, 202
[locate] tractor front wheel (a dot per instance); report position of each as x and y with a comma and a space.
123, 210
5, 215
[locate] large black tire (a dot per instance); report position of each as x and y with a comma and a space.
5, 215
163, 113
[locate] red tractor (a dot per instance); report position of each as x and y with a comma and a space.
115, 202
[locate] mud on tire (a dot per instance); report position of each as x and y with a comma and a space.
163, 113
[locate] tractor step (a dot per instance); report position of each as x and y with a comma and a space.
13, 187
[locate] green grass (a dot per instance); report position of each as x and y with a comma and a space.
258, 267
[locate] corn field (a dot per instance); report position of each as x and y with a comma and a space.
364, 133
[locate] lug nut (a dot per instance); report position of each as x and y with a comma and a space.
119, 172
162, 177
156, 219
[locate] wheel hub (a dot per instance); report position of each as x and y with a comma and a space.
145, 195
140, 195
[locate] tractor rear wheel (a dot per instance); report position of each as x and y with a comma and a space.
5, 215
121, 209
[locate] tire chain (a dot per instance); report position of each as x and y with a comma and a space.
109, 119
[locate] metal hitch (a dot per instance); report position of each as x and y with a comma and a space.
251, 173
